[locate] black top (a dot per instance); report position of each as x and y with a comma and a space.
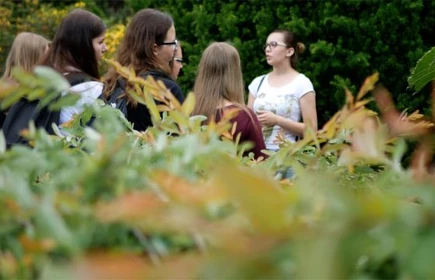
139, 115
24, 111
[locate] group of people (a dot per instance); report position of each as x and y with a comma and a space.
280, 102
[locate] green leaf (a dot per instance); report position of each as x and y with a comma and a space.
424, 71
13, 98
64, 101
2, 143
54, 79
189, 104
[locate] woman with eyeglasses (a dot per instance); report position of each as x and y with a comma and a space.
284, 99
176, 63
148, 46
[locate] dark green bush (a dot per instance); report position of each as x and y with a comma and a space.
346, 40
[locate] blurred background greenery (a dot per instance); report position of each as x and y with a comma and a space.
346, 40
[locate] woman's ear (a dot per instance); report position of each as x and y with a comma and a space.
156, 50
290, 52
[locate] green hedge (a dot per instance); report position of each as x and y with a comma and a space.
346, 40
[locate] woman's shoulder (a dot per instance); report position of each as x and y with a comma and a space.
303, 78
258, 79
161, 76
256, 83
172, 85
93, 89
243, 112
304, 84
87, 85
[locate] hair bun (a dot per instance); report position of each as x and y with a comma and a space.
301, 47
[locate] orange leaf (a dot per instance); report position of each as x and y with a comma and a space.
368, 85
102, 265
183, 191
132, 206
37, 246
398, 125
422, 158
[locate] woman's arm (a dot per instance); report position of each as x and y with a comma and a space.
309, 116
251, 100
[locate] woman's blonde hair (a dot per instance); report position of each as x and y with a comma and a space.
219, 78
26, 51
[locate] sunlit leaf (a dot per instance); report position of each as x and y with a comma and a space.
55, 80
368, 85
64, 101
188, 104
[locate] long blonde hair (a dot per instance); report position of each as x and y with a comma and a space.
219, 78
26, 51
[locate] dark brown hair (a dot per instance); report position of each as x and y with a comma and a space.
291, 41
147, 28
72, 43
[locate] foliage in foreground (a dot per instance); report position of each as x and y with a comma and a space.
179, 200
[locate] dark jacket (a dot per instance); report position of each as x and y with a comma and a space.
139, 114
24, 111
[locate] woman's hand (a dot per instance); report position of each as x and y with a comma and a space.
267, 118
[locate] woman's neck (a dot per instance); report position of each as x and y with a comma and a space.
224, 103
283, 69
70, 69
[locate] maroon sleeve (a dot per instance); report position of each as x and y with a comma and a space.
250, 129
256, 135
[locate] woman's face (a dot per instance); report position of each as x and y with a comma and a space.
177, 63
99, 45
170, 45
276, 50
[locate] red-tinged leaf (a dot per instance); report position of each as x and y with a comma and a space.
111, 266
349, 99
433, 99
368, 141
182, 191
398, 125
37, 246
108, 265
131, 207
422, 158
368, 85
152, 213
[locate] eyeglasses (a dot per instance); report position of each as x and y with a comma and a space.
274, 44
174, 44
